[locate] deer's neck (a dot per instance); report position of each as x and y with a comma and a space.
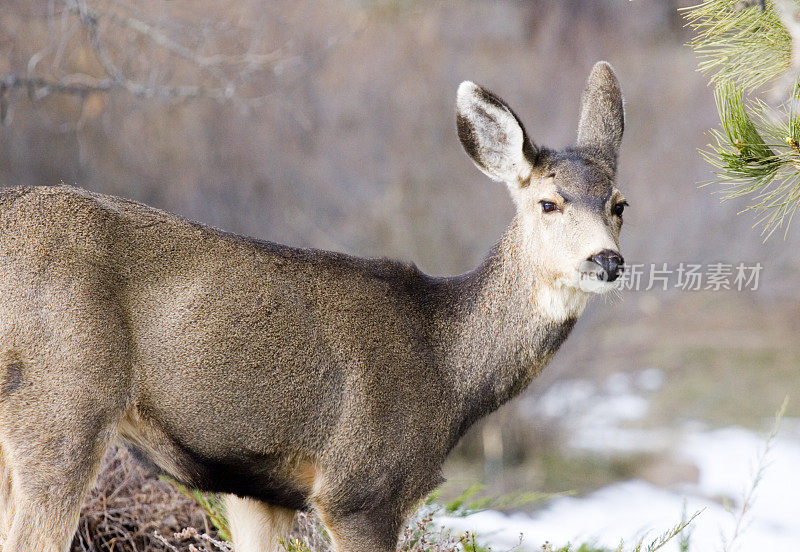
505, 321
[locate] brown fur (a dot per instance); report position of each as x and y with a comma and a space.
292, 378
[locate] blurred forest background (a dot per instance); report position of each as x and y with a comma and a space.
331, 124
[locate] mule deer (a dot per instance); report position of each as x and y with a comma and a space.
286, 378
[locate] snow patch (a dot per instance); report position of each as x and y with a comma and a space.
726, 459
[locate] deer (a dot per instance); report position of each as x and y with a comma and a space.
286, 379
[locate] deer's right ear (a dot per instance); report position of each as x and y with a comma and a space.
493, 136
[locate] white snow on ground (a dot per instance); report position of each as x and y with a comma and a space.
634, 509
727, 461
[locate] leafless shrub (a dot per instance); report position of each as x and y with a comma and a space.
131, 510
90, 48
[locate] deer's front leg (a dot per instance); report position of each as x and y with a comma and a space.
364, 513
368, 530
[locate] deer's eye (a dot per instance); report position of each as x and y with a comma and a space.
548, 206
619, 208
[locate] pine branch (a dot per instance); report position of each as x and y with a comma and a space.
756, 151
739, 42
787, 11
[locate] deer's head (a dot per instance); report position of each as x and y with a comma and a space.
568, 205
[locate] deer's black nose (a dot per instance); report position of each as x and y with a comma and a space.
611, 262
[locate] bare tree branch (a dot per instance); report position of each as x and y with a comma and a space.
120, 48
82, 85
89, 20
161, 39
67, 16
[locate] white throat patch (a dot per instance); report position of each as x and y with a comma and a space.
558, 302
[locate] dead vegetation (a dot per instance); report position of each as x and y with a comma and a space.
131, 510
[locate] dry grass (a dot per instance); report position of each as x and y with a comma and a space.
130, 510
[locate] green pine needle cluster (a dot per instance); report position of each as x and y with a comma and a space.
756, 150
738, 42
757, 154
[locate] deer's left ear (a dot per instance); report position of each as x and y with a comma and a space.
602, 116
493, 136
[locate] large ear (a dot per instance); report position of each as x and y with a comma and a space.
602, 115
493, 136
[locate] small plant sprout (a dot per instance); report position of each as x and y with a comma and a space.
743, 513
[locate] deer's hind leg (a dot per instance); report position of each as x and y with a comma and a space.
6, 503
52, 447
63, 389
